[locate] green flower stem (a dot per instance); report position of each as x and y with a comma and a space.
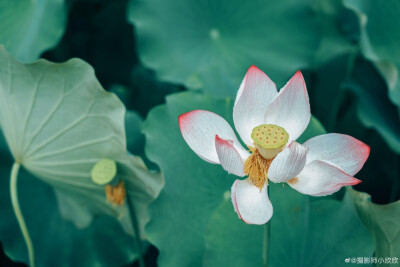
340, 103
350, 63
136, 230
267, 231
18, 214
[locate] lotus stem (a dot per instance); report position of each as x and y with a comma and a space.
267, 234
136, 230
18, 213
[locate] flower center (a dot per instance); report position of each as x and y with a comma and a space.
269, 140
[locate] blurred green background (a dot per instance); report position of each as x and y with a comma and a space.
347, 50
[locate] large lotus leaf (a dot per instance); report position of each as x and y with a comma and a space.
390, 73
57, 242
28, 27
338, 26
380, 37
134, 136
209, 44
302, 233
58, 122
375, 109
379, 28
383, 221
193, 188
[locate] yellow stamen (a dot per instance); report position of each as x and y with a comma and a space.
256, 167
116, 193
293, 181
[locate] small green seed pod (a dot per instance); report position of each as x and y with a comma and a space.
104, 171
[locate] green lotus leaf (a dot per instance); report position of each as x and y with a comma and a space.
390, 72
375, 110
103, 243
58, 123
302, 233
338, 26
134, 136
379, 34
380, 37
209, 45
383, 221
28, 28
194, 189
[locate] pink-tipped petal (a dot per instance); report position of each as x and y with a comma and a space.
320, 178
199, 128
233, 198
251, 204
342, 150
229, 157
255, 93
288, 163
291, 108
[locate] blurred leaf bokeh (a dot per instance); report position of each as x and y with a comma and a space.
193, 54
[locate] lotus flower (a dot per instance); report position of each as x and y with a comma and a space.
269, 123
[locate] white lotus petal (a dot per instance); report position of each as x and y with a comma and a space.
320, 179
199, 128
254, 95
251, 204
288, 163
229, 157
291, 108
342, 150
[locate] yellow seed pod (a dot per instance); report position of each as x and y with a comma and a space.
104, 171
269, 139
269, 136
